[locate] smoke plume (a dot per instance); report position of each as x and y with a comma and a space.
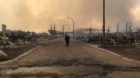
39, 15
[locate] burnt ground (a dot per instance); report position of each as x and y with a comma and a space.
127, 51
14, 52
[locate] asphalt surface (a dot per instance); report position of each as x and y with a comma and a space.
79, 60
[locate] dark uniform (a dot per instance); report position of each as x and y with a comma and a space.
67, 39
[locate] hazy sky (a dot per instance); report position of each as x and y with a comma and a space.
38, 15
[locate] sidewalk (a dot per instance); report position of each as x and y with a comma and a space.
116, 59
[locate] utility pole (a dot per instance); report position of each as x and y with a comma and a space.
4, 35
73, 25
130, 28
137, 29
103, 21
118, 28
51, 27
108, 30
90, 29
80, 33
127, 27
54, 27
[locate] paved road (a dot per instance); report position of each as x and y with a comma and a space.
80, 60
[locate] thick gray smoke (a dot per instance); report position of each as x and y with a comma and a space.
39, 15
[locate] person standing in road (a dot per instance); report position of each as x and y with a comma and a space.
67, 40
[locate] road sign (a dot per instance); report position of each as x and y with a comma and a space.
4, 31
3, 28
4, 34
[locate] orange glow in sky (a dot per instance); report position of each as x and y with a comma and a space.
136, 13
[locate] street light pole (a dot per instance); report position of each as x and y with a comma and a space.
103, 21
73, 26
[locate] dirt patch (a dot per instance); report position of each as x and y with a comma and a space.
127, 51
14, 52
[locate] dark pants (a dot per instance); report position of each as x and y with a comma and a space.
67, 43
